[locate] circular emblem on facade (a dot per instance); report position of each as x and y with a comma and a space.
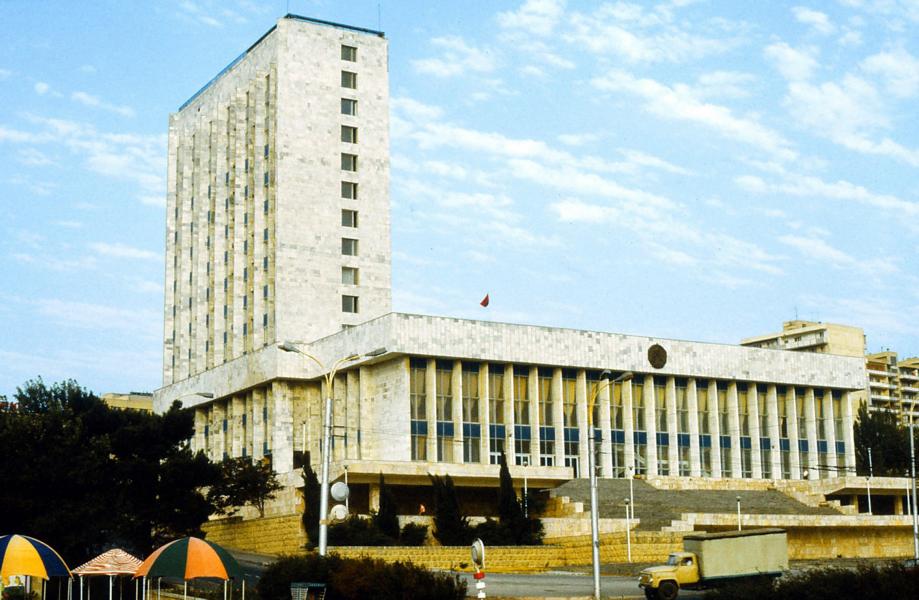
657, 356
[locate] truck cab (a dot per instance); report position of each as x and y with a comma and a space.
665, 581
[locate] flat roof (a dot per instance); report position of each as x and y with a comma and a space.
292, 17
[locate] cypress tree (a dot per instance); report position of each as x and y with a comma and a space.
387, 519
311, 493
451, 528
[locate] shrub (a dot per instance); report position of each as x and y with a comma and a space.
353, 579
413, 534
866, 582
356, 531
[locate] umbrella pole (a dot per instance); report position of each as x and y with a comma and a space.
244, 587
80, 581
224, 589
185, 591
110, 578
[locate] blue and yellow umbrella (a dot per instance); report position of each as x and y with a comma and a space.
25, 556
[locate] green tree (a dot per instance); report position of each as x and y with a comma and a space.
387, 519
243, 482
451, 528
509, 512
311, 493
81, 475
888, 439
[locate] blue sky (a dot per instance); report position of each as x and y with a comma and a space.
694, 170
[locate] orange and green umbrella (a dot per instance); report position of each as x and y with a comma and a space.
25, 556
190, 558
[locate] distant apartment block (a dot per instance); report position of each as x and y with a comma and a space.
130, 401
891, 384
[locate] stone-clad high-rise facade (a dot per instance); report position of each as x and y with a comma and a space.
278, 197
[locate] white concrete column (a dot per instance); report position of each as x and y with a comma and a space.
753, 405
365, 409
198, 442
238, 431
457, 411
848, 429
692, 403
606, 450
558, 417
650, 424
772, 417
628, 427
791, 410
484, 413
281, 426
580, 399
217, 435
673, 451
258, 422
734, 427
351, 400
714, 427
533, 393
430, 407
829, 426
509, 419
810, 424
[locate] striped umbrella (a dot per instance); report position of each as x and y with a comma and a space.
112, 563
25, 556
192, 558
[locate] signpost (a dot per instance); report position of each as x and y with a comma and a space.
478, 559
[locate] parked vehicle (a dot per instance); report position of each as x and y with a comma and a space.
712, 559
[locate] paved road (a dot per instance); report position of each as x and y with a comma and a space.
558, 585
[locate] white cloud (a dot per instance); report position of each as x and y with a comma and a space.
89, 69
679, 103
84, 315
96, 102
33, 157
724, 84
793, 64
5, 74
819, 21
457, 58
537, 17
809, 186
636, 35
577, 139
820, 250
41, 88
153, 200
118, 250
69, 224
897, 68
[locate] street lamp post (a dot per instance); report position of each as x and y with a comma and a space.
738, 513
594, 509
326, 435
868, 479
912, 467
628, 529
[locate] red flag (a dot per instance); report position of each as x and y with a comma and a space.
484, 301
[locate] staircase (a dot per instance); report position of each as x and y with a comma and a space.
661, 510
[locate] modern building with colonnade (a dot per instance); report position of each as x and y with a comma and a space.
278, 230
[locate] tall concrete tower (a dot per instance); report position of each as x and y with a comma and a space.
278, 223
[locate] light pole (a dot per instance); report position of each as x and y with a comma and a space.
738, 513
594, 509
631, 492
326, 434
628, 529
868, 479
912, 468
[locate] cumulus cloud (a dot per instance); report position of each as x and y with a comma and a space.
680, 103
898, 69
458, 57
96, 102
793, 64
819, 21
119, 250
537, 17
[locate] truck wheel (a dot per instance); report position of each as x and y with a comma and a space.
650, 594
668, 590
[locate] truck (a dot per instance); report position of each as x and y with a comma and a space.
713, 559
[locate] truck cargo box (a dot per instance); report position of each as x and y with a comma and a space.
739, 553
